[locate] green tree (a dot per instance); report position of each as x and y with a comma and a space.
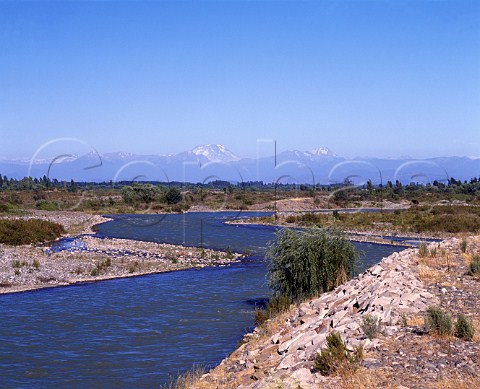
306, 263
173, 196
369, 186
140, 192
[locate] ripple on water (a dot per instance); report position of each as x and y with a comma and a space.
140, 331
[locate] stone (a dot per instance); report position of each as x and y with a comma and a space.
288, 361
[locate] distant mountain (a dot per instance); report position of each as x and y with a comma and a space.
205, 163
216, 153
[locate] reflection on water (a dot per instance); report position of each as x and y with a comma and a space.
140, 331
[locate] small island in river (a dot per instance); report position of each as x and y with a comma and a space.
89, 258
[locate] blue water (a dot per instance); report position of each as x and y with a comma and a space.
139, 332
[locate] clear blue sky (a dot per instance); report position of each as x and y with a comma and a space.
364, 78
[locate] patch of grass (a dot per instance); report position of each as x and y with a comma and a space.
426, 273
474, 268
36, 264
423, 250
463, 245
336, 356
464, 328
188, 380
94, 272
437, 321
450, 219
19, 232
46, 205
370, 325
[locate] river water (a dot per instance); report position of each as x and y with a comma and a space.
141, 331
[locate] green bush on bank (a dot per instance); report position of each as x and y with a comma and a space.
18, 232
438, 321
474, 268
308, 262
46, 205
464, 328
336, 356
370, 325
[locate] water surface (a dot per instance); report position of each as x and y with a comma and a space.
138, 332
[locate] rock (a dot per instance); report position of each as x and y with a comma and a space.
288, 361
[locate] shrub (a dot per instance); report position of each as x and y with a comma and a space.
260, 316
228, 253
6, 208
474, 268
463, 245
370, 325
145, 193
18, 232
306, 263
46, 205
36, 264
336, 356
423, 250
438, 321
276, 304
173, 196
464, 328
291, 219
94, 272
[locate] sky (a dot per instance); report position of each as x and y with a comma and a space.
363, 78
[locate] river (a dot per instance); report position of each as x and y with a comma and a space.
141, 331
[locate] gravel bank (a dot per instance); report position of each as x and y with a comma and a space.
92, 259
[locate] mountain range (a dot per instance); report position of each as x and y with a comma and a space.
210, 162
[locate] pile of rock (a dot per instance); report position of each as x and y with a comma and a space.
387, 290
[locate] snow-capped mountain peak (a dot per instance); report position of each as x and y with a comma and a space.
322, 151
215, 152
119, 155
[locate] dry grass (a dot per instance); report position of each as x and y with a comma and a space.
416, 320
476, 325
428, 274
189, 380
467, 259
457, 383
367, 378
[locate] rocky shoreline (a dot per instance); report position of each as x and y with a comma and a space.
91, 259
397, 291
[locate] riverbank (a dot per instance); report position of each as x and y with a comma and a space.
91, 259
386, 237
397, 291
